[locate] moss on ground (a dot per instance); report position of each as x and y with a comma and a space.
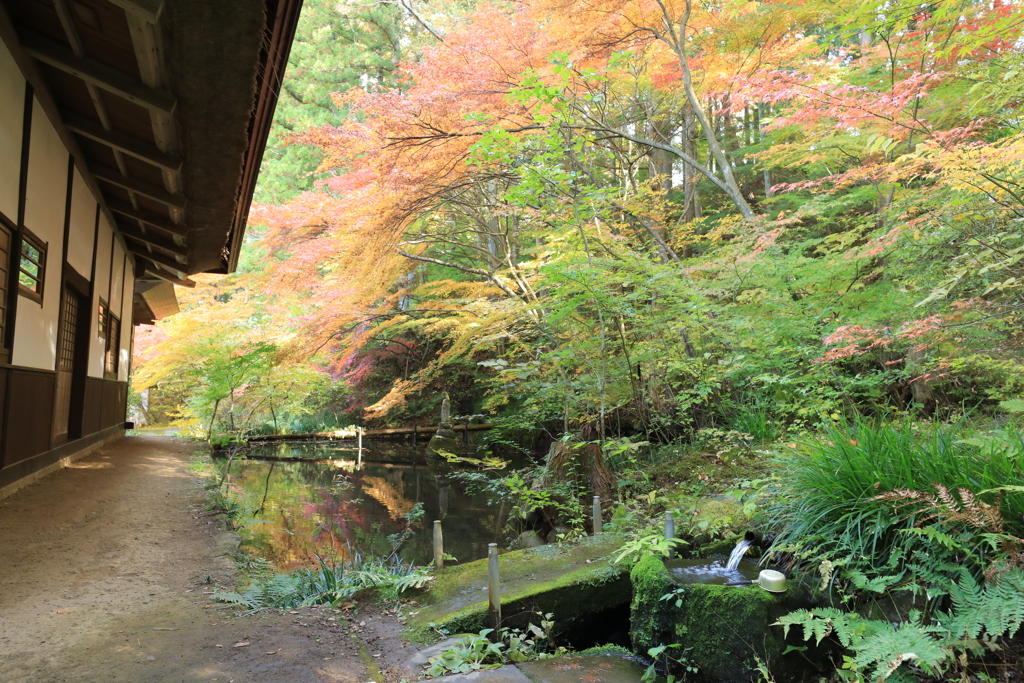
563, 580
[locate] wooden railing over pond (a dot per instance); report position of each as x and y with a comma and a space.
425, 432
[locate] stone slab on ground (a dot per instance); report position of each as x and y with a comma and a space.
505, 674
561, 579
608, 668
418, 663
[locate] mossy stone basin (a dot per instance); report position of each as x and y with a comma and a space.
723, 630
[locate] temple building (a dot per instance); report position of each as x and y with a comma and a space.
131, 135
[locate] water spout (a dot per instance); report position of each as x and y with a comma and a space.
738, 552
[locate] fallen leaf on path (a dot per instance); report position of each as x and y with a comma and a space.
271, 652
218, 646
244, 643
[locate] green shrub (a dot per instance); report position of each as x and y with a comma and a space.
865, 502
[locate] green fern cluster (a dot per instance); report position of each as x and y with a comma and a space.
881, 651
992, 609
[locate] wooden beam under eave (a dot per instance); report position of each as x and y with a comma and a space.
153, 240
154, 192
120, 141
148, 10
163, 223
158, 272
61, 56
165, 261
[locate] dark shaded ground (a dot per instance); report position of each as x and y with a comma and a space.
106, 574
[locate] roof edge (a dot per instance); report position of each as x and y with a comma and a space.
282, 22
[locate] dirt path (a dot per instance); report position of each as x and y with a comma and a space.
106, 570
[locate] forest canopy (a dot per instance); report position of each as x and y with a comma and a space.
615, 217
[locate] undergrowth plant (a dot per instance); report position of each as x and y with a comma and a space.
477, 651
933, 511
979, 617
848, 499
330, 583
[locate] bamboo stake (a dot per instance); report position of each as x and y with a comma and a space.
438, 546
670, 531
494, 587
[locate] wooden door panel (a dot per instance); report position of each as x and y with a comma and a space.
69, 317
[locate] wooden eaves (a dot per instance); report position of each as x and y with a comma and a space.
165, 106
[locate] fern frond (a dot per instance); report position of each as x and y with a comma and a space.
889, 648
996, 609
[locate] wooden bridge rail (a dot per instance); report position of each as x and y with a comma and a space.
368, 434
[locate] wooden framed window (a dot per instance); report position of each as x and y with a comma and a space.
32, 267
113, 355
102, 319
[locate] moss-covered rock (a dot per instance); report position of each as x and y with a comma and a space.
564, 580
650, 618
722, 630
722, 546
445, 440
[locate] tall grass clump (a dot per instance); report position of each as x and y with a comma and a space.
329, 583
898, 506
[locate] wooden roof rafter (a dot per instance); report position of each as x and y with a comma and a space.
121, 142
91, 71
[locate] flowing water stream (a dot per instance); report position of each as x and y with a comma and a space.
326, 503
738, 552
735, 571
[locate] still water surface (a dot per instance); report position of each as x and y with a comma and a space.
295, 508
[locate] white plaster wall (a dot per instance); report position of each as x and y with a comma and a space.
35, 341
96, 345
83, 223
118, 274
12, 103
126, 322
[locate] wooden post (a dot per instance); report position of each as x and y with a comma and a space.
359, 457
438, 546
414, 435
494, 587
597, 515
670, 530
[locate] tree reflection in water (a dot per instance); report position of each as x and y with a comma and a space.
295, 509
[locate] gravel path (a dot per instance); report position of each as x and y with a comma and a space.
106, 574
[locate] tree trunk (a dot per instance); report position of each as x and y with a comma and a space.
581, 465
209, 431
691, 199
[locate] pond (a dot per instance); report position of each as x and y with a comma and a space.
328, 504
